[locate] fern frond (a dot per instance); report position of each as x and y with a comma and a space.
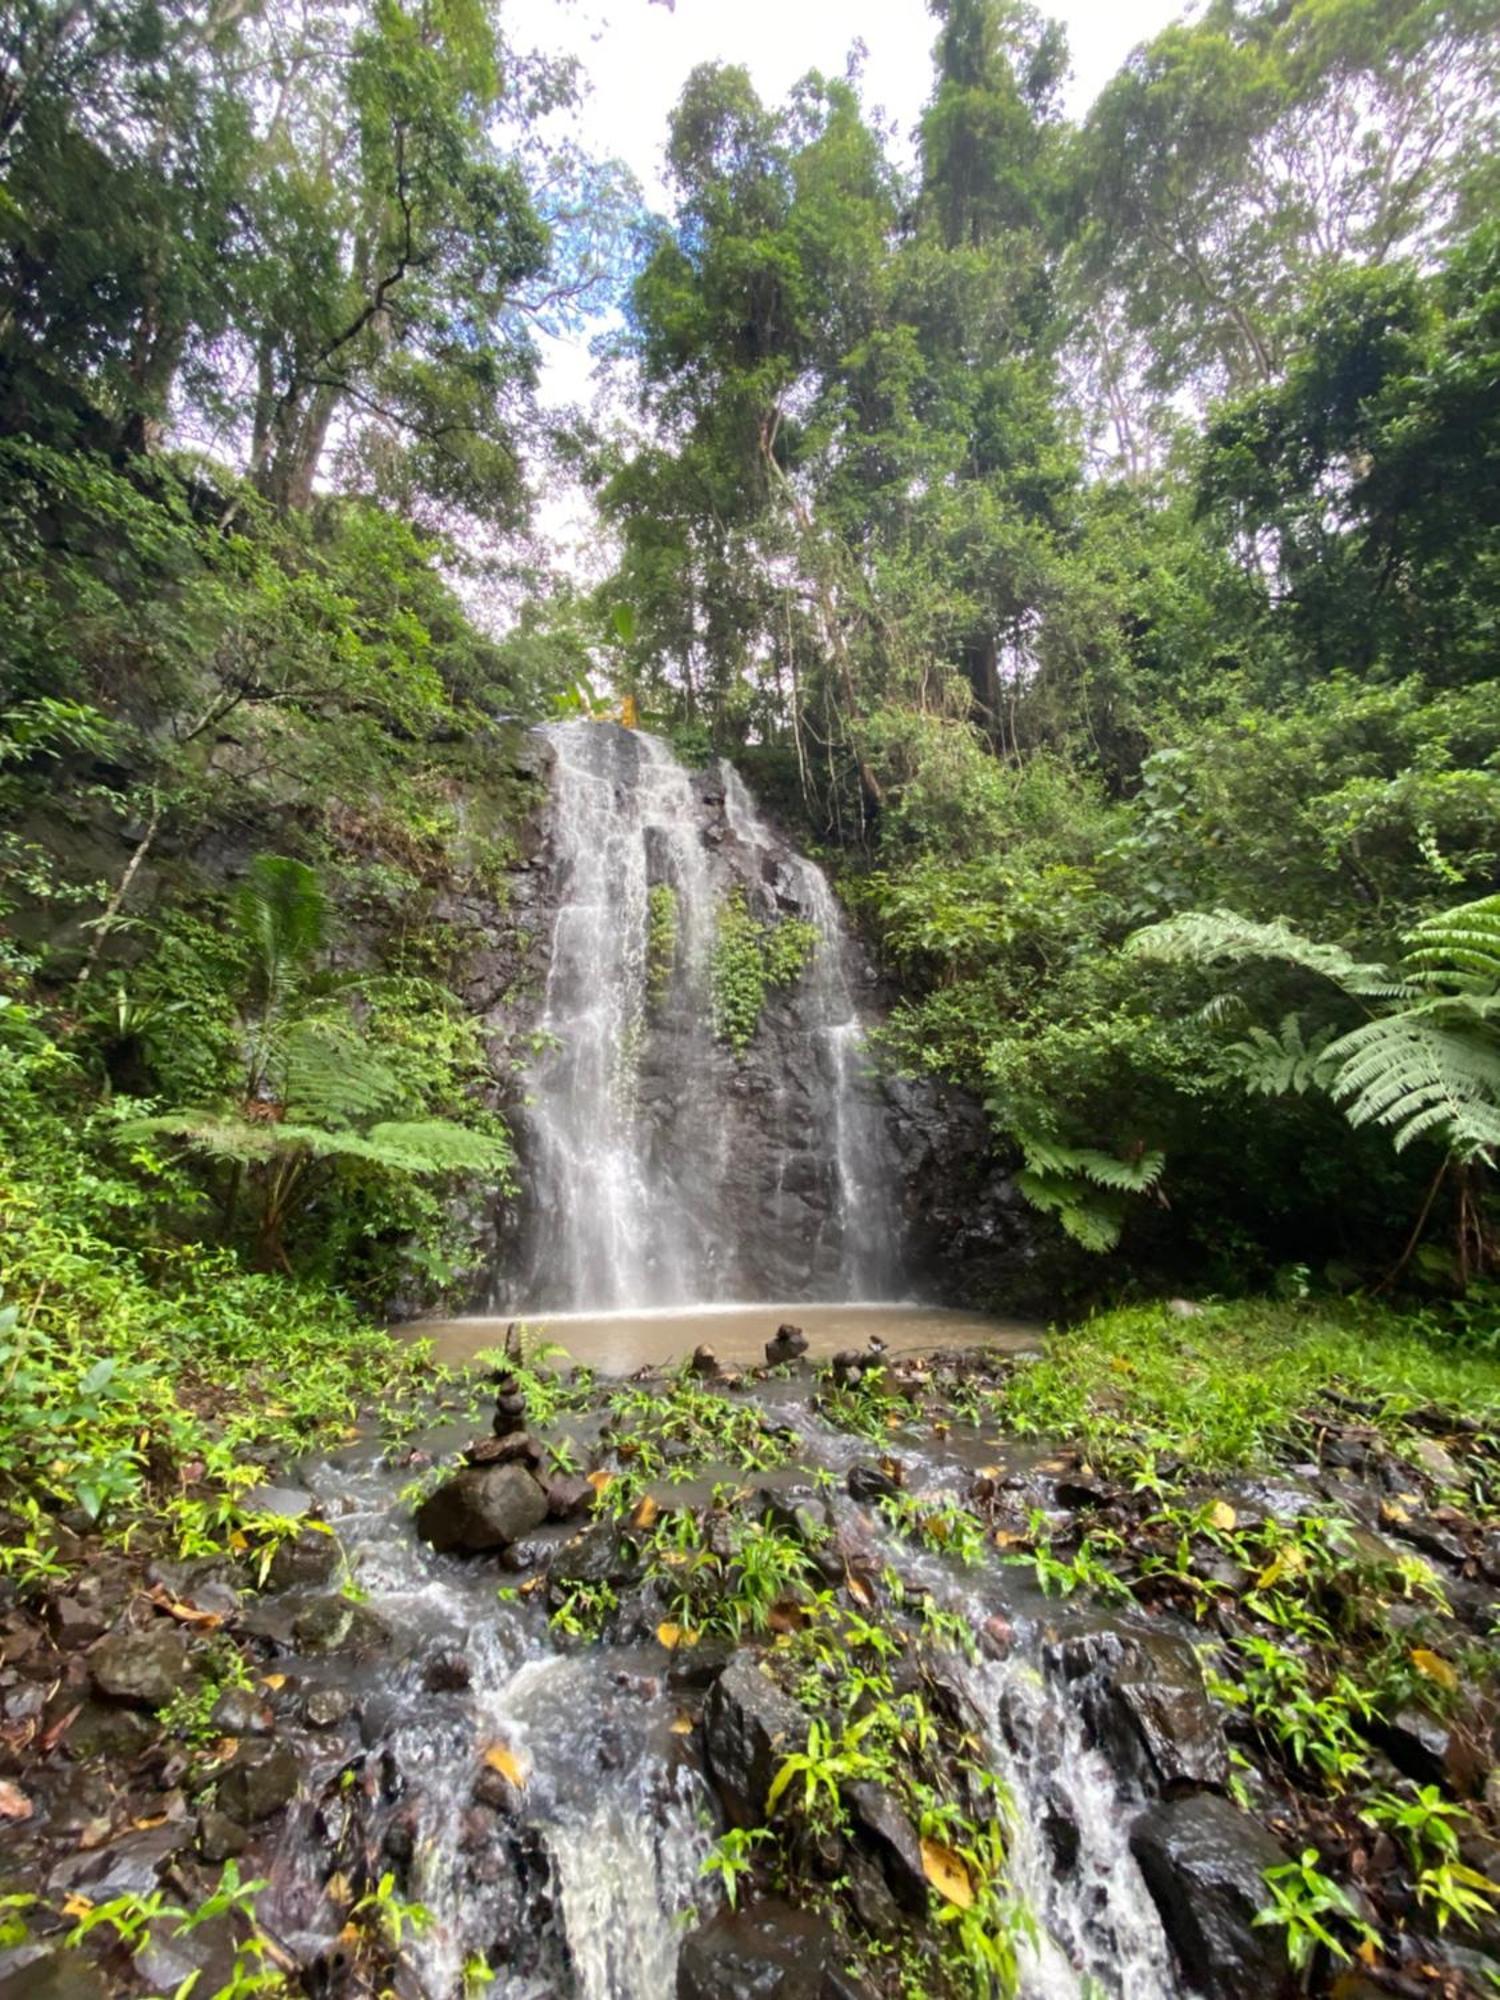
1282, 1064
218, 1136
1093, 1222
1220, 937
282, 913
1420, 1077
329, 1075
1102, 1169
437, 1146
1458, 947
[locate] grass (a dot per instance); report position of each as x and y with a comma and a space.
1227, 1386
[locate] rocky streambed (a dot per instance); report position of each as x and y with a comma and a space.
790, 1682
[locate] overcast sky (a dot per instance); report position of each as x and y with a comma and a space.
637, 55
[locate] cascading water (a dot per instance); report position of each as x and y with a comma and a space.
662, 1169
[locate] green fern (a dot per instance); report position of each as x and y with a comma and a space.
1219, 937
1284, 1064
1084, 1188
1425, 1072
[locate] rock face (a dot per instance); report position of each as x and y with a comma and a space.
486, 1507
768, 1951
144, 1668
1204, 1862
784, 1169
749, 1726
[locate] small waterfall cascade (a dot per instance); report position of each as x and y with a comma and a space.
663, 1168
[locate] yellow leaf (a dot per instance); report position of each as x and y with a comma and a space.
275, 1682
500, 1757
859, 1590
1367, 1951
1222, 1516
646, 1513
1004, 1539
338, 1890
1434, 1667
76, 1905
150, 1820
239, 1541
672, 1636
1291, 1562
1393, 1514
601, 1480
682, 1725
946, 1872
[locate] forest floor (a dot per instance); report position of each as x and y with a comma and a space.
1248, 1554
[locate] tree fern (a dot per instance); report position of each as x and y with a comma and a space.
1458, 948
1423, 1074
1084, 1188
1220, 937
1284, 1063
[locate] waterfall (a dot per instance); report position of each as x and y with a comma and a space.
663, 1169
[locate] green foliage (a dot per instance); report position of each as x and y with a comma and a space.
1304, 1901
661, 941
751, 958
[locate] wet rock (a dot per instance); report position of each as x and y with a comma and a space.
449, 1673
54, 1976
892, 1839
240, 1712
569, 1497
99, 1730
513, 1448
848, 1367
144, 1669
1438, 1464
483, 1508
326, 1707
594, 1556
1204, 1862
263, 1778
705, 1363
789, 1343
767, 1951
1433, 1752
281, 1503
749, 1726
323, 1625
1155, 1707
308, 1558
220, 1838
867, 1483
130, 1866
699, 1666
74, 1623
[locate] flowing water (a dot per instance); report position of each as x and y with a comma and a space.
661, 1169
669, 1179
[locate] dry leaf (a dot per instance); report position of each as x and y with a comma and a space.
1434, 1667
1393, 1514
672, 1636
76, 1906
1222, 1516
859, 1590
337, 1889
1004, 1539
682, 1725
500, 1757
600, 1480
1291, 1562
275, 1682
187, 1614
14, 1803
150, 1820
946, 1872
645, 1514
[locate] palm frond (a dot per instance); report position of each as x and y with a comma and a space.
282, 913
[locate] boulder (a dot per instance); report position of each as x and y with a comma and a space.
766, 1951
143, 1669
309, 1557
705, 1362
326, 1707
483, 1508
749, 1727
892, 1839
1433, 1752
220, 1838
569, 1497
867, 1483
1157, 1710
788, 1343
54, 1976
262, 1779
1205, 1863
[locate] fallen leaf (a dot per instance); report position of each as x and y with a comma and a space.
275, 1682
859, 1590
500, 1757
1291, 1562
682, 1725
646, 1513
1004, 1539
1393, 1514
533, 1584
1222, 1516
186, 1614
946, 1872
338, 1890
14, 1803
672, 1636
1434, 1667
600, 1480
76, 1905
786, 1616
149, 1820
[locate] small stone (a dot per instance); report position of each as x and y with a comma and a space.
789, 1343
705, 1362
867, 1483
73, 1623
509, 1448
220, 1838
280, 1503
308, 1558
569, 1495
239, 1712
1184, 1308
325, 1707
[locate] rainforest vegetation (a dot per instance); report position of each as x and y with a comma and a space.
1083, 532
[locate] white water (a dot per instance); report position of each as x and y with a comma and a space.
662, 1170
